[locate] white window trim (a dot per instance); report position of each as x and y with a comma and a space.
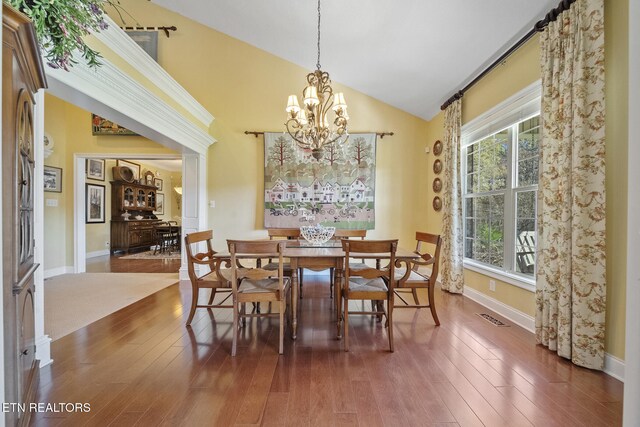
521, 106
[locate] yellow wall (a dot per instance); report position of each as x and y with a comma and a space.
246, 88
70, 128
520, 70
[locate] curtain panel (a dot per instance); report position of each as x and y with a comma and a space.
571, 273
452, 239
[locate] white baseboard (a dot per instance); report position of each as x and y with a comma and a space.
613, 366
58, 271
516, 316
183, 273
95, 254
43, 350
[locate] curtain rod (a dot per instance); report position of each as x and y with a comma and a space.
538, 27
255, 133
165, 29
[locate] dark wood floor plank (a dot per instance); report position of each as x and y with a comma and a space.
141, 366
275, 411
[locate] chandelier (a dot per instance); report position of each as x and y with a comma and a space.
310, 126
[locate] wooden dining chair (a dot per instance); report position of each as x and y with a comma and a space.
342, 234
218, 279
256, 285
371, 284
284, 234
414, 279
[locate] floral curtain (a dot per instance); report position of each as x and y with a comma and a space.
452, 239
571, 289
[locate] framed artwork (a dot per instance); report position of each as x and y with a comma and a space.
135, 168
159, 204
102, 126
95, 169
147, 40
53, 179
95, 203
158, 183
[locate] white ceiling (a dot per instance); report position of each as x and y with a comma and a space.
411, 54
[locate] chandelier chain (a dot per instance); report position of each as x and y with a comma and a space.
318, 63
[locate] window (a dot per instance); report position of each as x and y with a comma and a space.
500, 185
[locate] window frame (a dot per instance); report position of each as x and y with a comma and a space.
508, 114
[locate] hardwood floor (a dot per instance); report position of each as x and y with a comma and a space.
142, 366
115, 264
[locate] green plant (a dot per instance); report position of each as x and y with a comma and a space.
61, 25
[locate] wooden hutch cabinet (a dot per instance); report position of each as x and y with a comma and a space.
137, 200
22, 76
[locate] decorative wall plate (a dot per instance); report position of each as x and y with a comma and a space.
437, 167
437, 204
437, 185
437, 148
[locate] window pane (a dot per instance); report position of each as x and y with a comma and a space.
526, 232
490, 162
528, 146
484, 221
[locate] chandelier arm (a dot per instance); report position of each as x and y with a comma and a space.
294, 129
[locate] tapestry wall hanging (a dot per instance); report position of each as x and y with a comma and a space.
337, 190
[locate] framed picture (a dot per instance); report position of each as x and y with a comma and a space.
133, 166
147, 40
95, 203
158, 183
53, 179
95, 169
159, 204
102, 126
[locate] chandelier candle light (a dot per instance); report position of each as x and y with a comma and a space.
310, 126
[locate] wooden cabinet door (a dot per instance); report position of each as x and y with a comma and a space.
22, 76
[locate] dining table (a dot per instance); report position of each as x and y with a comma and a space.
303, 254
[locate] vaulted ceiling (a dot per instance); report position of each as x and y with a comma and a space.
411, 54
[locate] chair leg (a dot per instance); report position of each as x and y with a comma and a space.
300, 273
213, 295
414, 291
234, 343
432, 304
194, 302
338, 302
243, 312
331, 271
390, 323
346, 325
282, 309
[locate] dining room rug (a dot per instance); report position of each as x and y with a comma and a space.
150, 255
72, 301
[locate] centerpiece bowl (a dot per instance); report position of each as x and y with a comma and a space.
317, 234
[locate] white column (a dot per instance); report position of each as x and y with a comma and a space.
43, 342
631, 415
194, 199
79, 203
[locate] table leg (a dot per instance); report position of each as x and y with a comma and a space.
294, 298
337, 285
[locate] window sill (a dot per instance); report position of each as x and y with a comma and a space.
513, 279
